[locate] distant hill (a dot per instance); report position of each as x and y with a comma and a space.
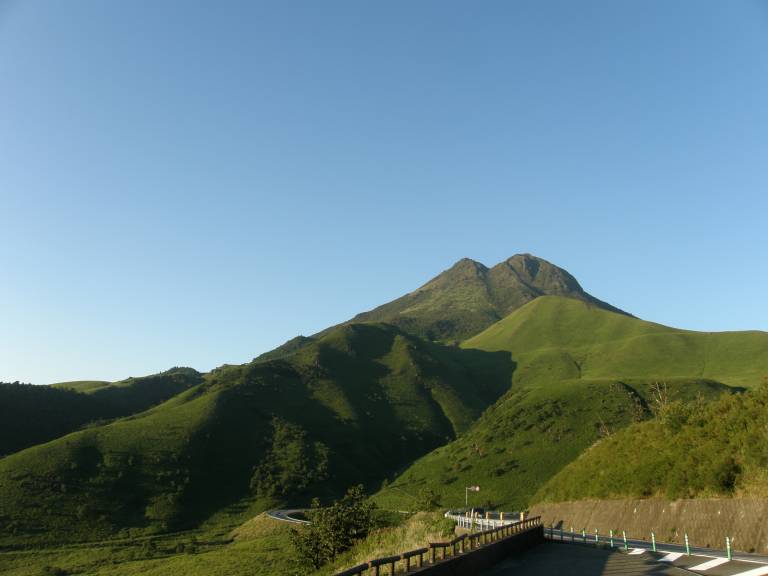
354, 406
690, 450
581, 373
31, 414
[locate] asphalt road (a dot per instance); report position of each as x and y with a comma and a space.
287, 516
660, 546
704, 561
555, 559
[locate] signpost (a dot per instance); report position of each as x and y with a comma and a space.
467, 490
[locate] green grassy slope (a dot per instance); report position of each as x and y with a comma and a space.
694, 450
31, 415
82, 385
581, 373
354, 406
593, 343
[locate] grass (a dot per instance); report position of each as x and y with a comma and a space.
260, 546
582, 373
691, 450
32, 415
586, 342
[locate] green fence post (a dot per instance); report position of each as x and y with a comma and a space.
687, 546
728, 547
584, 535
624, 534
597, 536
611, 537
653, 541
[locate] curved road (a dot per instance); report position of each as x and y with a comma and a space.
287, 516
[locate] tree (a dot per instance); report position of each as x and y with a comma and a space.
292, 464
427, 500
333, 529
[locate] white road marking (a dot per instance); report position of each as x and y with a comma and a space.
754, 572
637, 550
709, 564
671, 557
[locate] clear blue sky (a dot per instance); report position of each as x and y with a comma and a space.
192, 183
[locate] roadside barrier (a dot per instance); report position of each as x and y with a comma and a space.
556, 535
440, 552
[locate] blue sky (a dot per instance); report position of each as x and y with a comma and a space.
192, 183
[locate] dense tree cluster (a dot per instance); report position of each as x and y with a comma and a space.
292, 464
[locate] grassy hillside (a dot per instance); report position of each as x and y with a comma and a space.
32, 415
582, 373
356, 405
526, 437
574, 340
691, 450
259, 547
82, 385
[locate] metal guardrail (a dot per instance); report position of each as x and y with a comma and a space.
471, 520
622, 539
464, 544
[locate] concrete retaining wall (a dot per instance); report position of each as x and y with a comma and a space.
707, 521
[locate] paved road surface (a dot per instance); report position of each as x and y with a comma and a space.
555, 559
703, 561
286, 516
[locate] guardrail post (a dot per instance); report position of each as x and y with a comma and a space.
687, 546
611, 537
728, 548
653, 541
584, 535
624, 534
573, 534
597, 536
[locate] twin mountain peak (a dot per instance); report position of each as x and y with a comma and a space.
469, 297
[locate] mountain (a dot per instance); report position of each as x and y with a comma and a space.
690, 450
32, 414
469, 297
355, 405
465, 299
582, 373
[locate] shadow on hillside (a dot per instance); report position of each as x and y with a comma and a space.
354, 404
